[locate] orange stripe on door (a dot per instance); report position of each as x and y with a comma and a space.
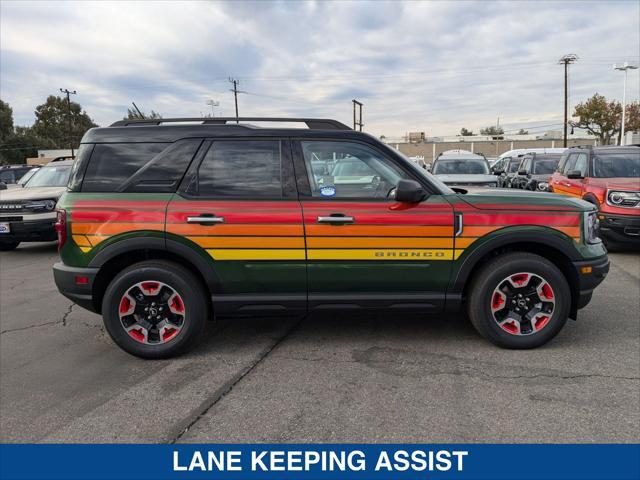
379, 242
244, 229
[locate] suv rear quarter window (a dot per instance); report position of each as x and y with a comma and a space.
138, 167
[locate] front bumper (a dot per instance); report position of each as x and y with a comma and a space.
620, 228
76, 284
591, 273
29, 230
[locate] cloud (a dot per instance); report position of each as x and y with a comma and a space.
432, 66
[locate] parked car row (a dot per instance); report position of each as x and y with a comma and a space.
608, 177
28, 214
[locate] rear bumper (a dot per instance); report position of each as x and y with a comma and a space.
591, 273
71, 283
620, 228
30, 231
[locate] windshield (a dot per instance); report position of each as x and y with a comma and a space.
57, 176
457, 166
615, 165
27, 176
542, 167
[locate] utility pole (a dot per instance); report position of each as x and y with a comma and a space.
359, 122
235, 93
67, 92
625, 67
566, 60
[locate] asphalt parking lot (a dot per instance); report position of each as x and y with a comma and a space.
315, 379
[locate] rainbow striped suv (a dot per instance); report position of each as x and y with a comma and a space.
168, 222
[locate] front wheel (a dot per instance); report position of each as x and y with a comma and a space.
519, 300
155, 309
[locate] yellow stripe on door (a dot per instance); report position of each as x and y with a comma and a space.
257, 254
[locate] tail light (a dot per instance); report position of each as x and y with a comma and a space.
61, 227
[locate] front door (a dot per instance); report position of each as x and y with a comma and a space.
238, 207
575, 185
364, 249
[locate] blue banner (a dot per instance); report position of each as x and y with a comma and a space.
320, 461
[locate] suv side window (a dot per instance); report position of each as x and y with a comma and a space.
7, 176
240, 169
513, 165
568, 166
348, 170
581, 164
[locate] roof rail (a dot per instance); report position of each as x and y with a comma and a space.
312, 123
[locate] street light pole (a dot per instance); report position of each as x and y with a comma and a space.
626, 66
67, 92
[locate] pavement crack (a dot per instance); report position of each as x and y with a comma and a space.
67, 313
62, 321
228, 386
10, 330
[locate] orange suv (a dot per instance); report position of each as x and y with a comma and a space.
608, 177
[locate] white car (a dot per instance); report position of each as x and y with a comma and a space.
28, 214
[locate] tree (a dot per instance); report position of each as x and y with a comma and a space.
6, 122
492, 131
599, 117
632, 119
465, 133
134, 115
52, 122
15, 144
522, 131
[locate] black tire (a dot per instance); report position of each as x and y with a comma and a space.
180, 279
491, 275
8, 246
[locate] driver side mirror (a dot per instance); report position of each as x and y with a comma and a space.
522, 172
498, 172
409, 191
574, 174
3, 186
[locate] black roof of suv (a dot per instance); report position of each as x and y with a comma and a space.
173, 129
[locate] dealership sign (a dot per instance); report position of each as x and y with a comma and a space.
320, 461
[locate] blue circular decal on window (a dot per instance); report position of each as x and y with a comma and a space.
328, 191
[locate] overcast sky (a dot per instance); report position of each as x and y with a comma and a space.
418, 66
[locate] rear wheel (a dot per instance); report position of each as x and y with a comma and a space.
155, 309
519, 300
5, 246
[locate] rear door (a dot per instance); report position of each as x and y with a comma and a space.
364, 249
238, 207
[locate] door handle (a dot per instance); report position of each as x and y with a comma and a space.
205, 220
566, 184
336, 218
